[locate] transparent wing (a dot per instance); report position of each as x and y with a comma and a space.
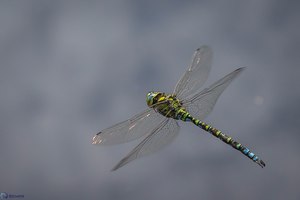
129, 130
161, 135
200, 105
196, 74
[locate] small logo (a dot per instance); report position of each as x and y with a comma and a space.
3, 195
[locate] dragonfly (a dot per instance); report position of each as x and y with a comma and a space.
159, 123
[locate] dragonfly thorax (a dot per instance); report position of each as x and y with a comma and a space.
167, 105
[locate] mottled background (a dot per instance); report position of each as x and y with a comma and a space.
69, 69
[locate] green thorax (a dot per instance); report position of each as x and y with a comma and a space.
167, 105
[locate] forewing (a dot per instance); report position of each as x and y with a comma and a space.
197, 73
200, 105
161, 135
129, 130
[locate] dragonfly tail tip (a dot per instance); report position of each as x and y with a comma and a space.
261, 163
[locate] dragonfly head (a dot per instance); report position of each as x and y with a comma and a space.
152, 98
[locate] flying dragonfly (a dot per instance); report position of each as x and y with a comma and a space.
158, 124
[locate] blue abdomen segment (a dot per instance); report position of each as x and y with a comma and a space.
252, 156
248, 153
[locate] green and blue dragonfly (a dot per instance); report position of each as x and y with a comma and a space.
158, 124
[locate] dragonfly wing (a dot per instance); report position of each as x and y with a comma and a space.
200, 105
161, 135
196, 74
129, 130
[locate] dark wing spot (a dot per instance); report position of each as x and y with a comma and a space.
99, 133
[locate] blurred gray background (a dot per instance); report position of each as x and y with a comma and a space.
71, 68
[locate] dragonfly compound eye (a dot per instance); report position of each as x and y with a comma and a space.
149, 98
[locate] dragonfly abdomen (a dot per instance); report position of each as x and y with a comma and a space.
182, 114
227, 139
